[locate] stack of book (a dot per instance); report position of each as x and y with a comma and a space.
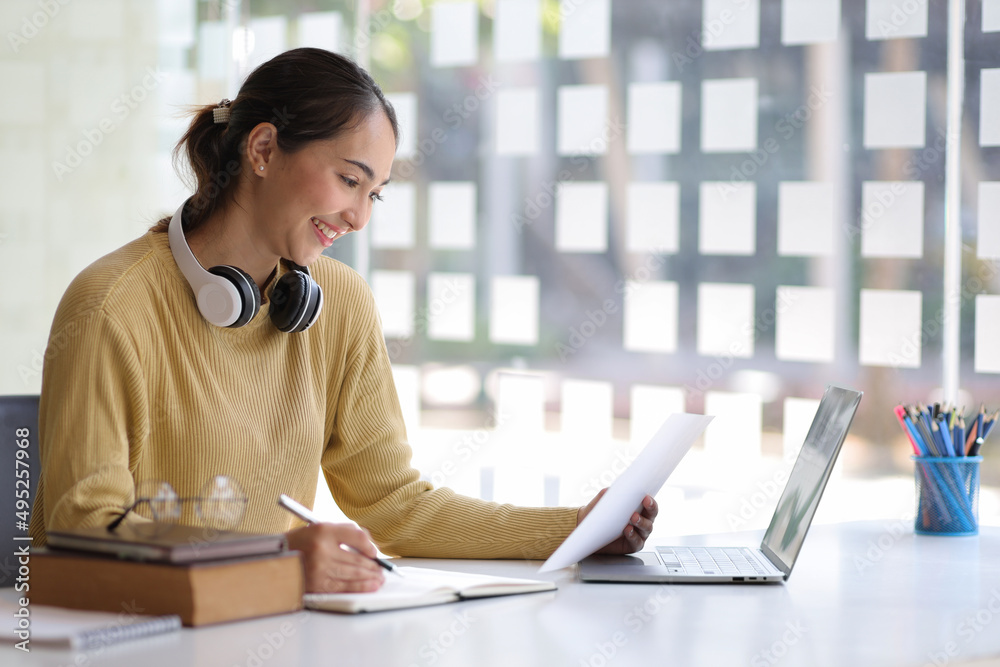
202, 577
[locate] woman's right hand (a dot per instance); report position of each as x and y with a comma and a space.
330, 567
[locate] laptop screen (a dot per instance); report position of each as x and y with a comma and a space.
809, 475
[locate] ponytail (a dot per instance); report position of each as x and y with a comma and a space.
308, 94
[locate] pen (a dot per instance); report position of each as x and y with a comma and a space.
975, 446
979, 422
970, 437
958, 440
919, 420
904, 421
306, 515
944, 436
987, 427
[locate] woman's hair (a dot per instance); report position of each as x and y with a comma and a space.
308, 94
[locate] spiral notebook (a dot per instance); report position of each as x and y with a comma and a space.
54, 627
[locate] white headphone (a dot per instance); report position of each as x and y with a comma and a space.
228, 297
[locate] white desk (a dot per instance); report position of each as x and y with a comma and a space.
861, 594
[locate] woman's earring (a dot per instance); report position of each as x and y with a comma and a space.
262, 167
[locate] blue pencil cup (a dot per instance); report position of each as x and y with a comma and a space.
947, 495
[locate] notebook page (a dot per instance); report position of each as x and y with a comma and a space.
423, 586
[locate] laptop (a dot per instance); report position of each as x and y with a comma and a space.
774, 560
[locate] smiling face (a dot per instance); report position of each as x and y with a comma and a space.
307, 199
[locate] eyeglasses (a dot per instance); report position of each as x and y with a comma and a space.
220, 504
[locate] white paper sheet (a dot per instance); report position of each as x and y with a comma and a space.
809, 21
454, 34
726, 320
650, 316
891, 332
729, 115
895, 109
892, 219
806, 324
730, 24
644, 477
988, 238
987, 325
395, 293
991, 15
585, 30
807, 223
514, 310
451, 309
889, 19
517, 121
517, 30
989, 103
321, 30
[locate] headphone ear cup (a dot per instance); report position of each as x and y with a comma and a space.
314, 306
247, 289
295, 302
287, 300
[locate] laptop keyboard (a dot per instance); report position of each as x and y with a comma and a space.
737, 561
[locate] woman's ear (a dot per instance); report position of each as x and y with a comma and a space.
262, 141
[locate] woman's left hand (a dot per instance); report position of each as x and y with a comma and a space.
634, 535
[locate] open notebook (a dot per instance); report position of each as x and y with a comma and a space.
420, 587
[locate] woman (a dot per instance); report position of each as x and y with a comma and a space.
139, 385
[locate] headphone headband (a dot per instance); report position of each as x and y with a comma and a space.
218, 299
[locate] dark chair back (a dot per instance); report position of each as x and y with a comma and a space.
19, 474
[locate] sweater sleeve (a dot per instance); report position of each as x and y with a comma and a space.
367, 467
91, 407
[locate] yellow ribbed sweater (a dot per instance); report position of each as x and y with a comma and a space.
138, 386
